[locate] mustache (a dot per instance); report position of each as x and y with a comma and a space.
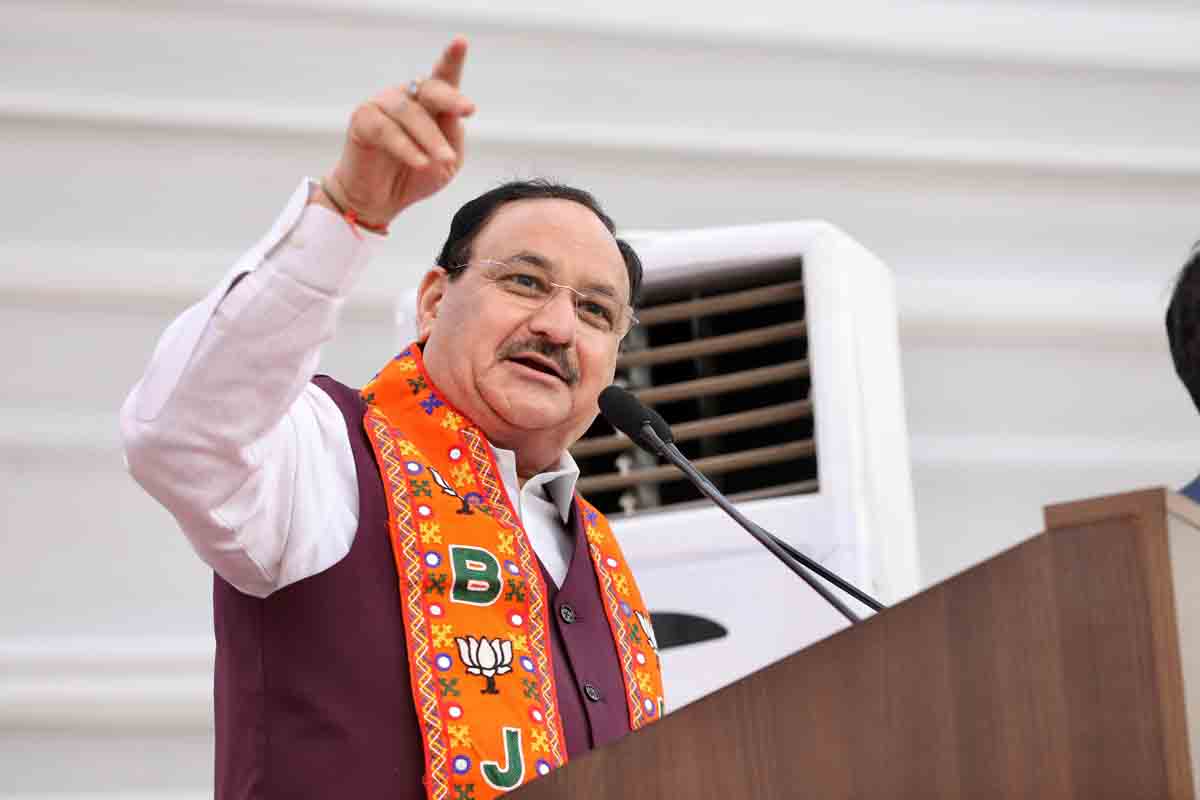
555, 352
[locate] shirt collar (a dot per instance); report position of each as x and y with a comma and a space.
558, 479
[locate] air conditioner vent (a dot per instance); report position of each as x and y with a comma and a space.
727, 366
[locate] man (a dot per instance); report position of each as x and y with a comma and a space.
408, 592
1183, 336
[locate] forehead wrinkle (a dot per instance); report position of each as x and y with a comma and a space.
546, 264
533, 259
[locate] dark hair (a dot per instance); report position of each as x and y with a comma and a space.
1183, 325
471, 218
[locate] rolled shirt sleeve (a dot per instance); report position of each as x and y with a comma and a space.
225, 428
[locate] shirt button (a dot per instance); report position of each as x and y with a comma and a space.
567, 613
592, 692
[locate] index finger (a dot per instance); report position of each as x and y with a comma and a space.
450, 66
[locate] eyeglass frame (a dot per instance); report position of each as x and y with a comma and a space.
627, 310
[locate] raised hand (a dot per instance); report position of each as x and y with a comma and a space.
404, 144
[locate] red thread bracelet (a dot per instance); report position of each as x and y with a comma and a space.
351, 216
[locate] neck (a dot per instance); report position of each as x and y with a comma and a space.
527, 469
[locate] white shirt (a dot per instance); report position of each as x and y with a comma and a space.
226, 430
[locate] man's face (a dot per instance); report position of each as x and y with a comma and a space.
528, 378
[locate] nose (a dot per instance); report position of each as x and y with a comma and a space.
556, 319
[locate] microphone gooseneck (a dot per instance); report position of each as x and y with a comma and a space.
646, 428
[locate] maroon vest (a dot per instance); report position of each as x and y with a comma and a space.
312, 691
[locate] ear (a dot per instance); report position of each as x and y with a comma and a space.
429, 297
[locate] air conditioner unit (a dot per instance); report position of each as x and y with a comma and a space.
789, 329
772, 352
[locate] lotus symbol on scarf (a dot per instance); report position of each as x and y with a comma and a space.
486, 657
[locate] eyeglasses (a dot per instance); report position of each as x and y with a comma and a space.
532, 290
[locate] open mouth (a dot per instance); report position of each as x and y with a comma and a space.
539, 364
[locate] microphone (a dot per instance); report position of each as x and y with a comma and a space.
628, 414
647, 429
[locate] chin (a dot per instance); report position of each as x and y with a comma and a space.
522, 410
535, 416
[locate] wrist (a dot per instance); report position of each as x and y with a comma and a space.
325, 195
318, 197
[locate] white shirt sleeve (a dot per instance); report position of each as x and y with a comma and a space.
225, 428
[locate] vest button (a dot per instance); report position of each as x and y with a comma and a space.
592, 692
567, 613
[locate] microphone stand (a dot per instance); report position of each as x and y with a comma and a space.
793, 559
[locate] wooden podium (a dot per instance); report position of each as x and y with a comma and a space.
1054, 670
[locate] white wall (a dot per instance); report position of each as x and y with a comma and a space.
1027, 169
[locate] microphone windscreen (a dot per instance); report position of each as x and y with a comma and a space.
628, 414
623, 411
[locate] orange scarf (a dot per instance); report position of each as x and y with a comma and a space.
474, 600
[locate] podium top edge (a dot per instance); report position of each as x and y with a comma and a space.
1143, 502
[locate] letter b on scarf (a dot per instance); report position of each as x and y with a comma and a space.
476, 576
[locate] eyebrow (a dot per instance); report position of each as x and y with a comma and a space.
539, 261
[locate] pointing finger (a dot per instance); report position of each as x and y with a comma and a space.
449, 67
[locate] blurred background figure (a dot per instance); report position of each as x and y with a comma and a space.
1183, 335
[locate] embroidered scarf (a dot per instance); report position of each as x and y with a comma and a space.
474, 601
